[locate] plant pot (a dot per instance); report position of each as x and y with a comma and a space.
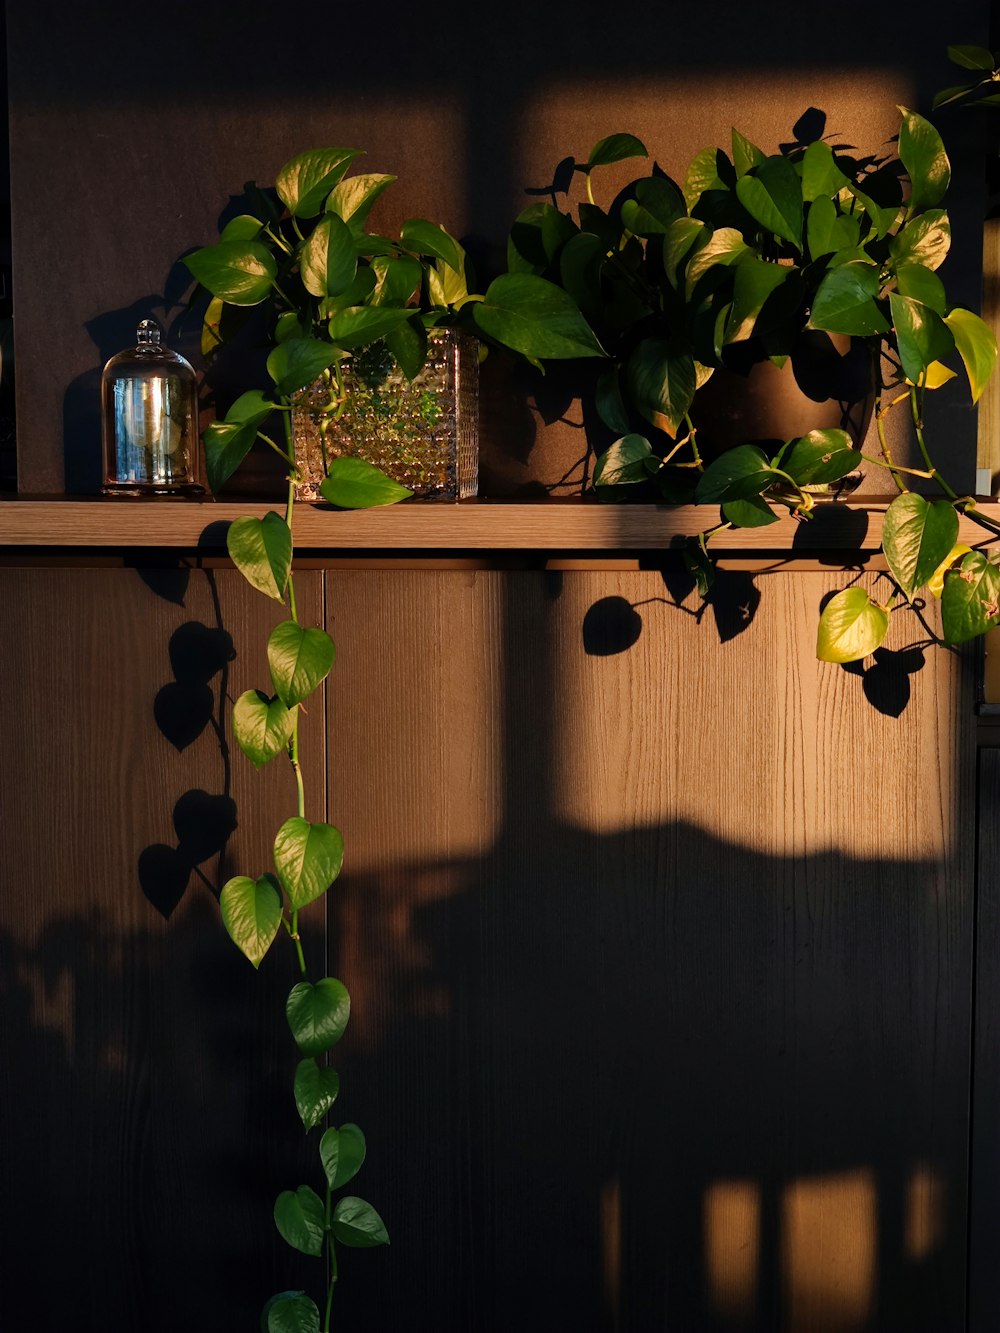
825, 383
424, 432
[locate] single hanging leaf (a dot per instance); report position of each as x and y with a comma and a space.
754, 281
431, 240
353, 483
750, 513
922, 154
977, 347
317, 1015
925, 240
916, 537
357, 1224
228, 442
970, 602
972, 57
290, 1312
699, 565
352, 198
262, 726
308, 858
299, 659
316, 1089
851, 627
261, 549
300, 1219
342, 1152
251, 913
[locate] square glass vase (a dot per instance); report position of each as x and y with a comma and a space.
424, 432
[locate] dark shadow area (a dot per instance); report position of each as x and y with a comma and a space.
182, 709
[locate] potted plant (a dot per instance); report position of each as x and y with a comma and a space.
328, 289
739, 268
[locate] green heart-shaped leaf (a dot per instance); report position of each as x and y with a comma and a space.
357, 1224
316, 1089
357, 326
970, 602
750, 513
304, 183
925, 240
299, 659
290, 1312
240, 272
342, 1152
353, 483
917, 535
819, 458
301, 1220
851, 626
922, 336
921, 152
661, 382
262, 726
329, 260
754, 281
299, 361
317, 1015
615, 148
228, 442
352, 197
624, 463
846, 301
251, 913
772, 195
533, 316
261, 549
977, 346
308, 858
735, 475
429, 238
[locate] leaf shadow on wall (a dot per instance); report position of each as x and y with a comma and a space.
184, 707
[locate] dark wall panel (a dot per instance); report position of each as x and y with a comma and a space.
664, 944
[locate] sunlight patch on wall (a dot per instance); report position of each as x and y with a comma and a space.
731, 1221
677, 116
829, 1251
925, 1213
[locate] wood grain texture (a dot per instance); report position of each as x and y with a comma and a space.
705, 986
843, 530
145, 1070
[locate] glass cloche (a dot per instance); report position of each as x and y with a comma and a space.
149, 397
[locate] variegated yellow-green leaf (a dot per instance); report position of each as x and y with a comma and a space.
917, 535
251, 913
935, 583
262, 726
851, 627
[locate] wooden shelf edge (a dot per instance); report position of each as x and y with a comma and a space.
468, 525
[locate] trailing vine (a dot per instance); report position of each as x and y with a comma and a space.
307, 859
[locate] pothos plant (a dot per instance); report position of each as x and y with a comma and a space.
329, 287
732, 267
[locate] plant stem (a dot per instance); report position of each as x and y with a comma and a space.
693, 437
883, 441
276, 447
916, 408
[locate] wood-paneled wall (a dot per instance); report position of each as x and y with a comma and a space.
658, 933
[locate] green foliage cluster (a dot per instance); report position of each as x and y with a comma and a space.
732, 267
331, 287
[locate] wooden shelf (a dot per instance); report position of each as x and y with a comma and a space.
473, 525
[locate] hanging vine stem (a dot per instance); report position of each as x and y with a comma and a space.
307, 858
